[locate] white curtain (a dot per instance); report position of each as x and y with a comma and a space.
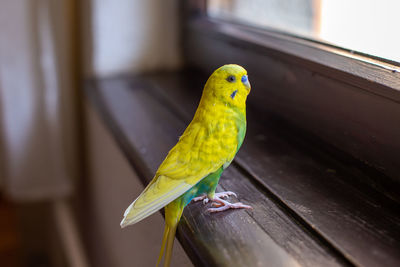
35, 103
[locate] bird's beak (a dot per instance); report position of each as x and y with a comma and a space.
245, 81
248, 86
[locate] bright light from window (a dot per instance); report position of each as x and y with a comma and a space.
367, 26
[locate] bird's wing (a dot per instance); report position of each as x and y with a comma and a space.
196, 155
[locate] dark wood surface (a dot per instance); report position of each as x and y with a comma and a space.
11, 247
298, 177
308, 209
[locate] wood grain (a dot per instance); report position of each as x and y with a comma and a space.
318, 188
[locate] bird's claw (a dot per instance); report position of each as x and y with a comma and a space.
228, 205
216, 204
203, 197
219, 204
217, 195
225, 194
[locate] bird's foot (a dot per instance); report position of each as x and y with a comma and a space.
217, 195
220, 204
203, 197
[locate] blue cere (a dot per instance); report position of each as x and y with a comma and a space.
244, 79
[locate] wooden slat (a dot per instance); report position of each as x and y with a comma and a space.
359, 222
146, 129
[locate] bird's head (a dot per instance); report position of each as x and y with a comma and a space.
229, 84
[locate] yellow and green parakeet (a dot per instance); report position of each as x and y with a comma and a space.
193, 167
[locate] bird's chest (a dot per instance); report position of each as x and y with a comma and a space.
225, 131
221, 141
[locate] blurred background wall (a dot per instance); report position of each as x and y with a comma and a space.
37, 104
131, 36
64, 182
38, 129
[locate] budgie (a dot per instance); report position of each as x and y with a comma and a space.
193, 167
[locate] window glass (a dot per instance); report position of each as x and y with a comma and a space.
367, 26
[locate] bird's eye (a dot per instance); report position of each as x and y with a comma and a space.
231, 79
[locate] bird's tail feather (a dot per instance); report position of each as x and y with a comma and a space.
173, 213
167, 244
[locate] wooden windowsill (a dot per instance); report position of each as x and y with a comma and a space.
309, 210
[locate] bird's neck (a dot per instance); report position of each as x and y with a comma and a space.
213, 110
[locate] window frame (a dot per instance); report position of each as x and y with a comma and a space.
209, 42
